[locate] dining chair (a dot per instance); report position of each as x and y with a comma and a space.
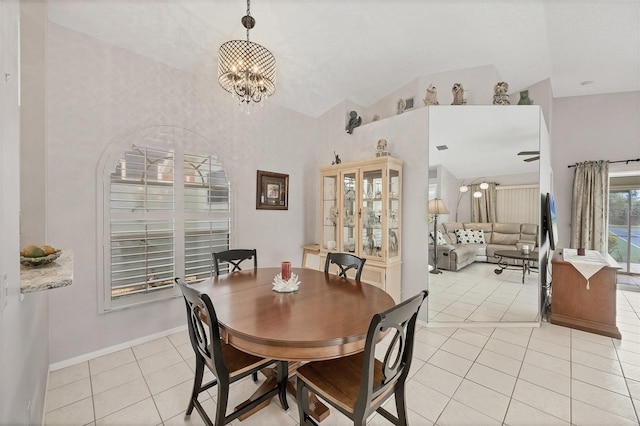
234, 257
357, 385
227, 363
345, 261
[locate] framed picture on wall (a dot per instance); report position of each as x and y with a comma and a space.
272, 191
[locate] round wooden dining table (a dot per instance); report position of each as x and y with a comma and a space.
327, 317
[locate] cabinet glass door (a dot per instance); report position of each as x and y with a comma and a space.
371, 213
330, 212
349, 212
393, 221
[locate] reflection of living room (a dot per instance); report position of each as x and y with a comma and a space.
494, 206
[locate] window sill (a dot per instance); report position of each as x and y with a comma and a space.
54, 275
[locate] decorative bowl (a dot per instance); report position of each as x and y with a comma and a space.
39, 261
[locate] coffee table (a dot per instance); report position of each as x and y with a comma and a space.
527, 261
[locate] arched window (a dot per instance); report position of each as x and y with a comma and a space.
164, 212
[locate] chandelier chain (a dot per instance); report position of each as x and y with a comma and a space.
248, 14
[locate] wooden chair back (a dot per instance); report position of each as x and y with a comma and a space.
234, 257
345, 262
203, 329
401, 322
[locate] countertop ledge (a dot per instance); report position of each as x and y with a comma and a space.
58, 273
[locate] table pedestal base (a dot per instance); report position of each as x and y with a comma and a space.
317, 409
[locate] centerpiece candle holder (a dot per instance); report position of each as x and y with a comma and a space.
285, 281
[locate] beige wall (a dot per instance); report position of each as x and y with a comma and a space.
586, 128
95, 93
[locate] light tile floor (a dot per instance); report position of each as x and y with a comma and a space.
477, 293
482, 376
629, 282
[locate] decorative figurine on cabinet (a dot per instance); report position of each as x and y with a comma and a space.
525, 99
381, 148
432, 96
500, 96
458, 94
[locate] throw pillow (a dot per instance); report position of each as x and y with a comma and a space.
441, 241
478, 236
464, 236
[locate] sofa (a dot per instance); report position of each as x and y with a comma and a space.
461, 244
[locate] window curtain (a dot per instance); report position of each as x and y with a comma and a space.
590, 206
483, 209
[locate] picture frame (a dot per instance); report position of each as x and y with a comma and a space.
272, 191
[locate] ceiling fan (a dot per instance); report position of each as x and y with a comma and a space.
535, 153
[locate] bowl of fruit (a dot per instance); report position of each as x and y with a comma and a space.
33, 255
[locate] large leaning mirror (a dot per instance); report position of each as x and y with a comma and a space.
484, 167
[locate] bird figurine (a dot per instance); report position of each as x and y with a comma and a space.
432, 96
354, 121
458, 94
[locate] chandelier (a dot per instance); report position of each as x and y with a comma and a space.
247, 70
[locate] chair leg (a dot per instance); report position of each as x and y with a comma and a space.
401, 405
283, 375
302, 398
254, 376
197, 382
221, 403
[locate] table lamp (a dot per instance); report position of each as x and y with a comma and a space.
436, 207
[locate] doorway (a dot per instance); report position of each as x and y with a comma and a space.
624, 222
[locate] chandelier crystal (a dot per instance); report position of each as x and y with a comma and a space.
247, 70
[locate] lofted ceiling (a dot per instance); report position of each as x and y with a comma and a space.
362, 50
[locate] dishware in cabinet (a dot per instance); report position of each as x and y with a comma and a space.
361, 214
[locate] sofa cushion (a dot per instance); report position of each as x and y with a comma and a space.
505, 233
465, 252
450, 229
507, 228
504, 239
529, 232
441, 240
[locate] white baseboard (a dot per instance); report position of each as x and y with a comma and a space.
112, 349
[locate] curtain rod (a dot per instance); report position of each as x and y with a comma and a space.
610, 162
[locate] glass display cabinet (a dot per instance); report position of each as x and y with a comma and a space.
361, 206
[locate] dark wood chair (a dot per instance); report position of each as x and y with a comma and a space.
358, 385
345, 261
235, 258
227, 363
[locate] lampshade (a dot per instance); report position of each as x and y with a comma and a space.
464, 188
247, 70
477, 194
436, 206
484, 185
